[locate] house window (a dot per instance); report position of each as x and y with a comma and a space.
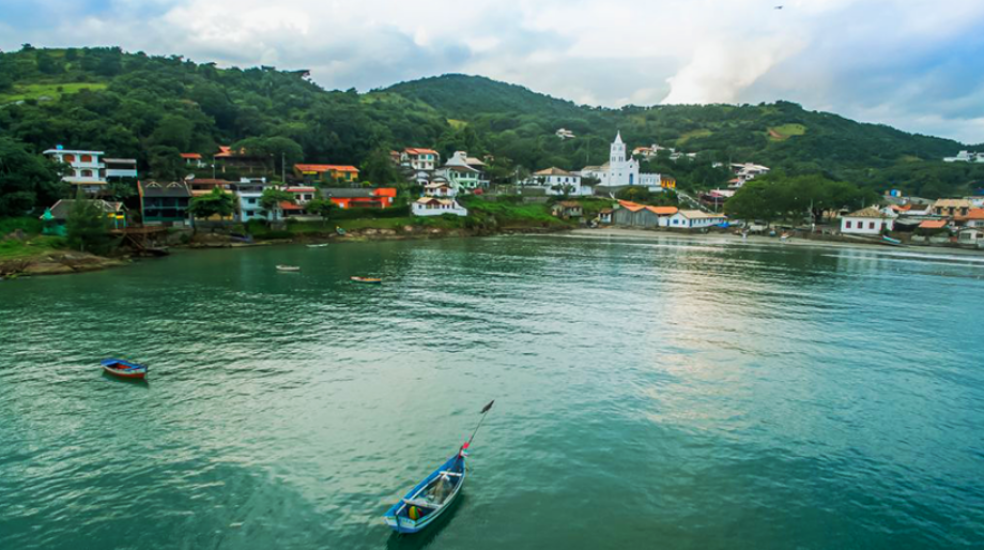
871, 225
250, 201
86, 173
847, 225
86, 158
69, 158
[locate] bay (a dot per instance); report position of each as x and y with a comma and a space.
670, 393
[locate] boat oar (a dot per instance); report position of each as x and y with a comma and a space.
485, 411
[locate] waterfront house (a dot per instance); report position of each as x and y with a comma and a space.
973, 218
419, 159
433, 206
971, 236
164, 203
85, 168
327, 172
460, 161
567, 210
120, 168
558, 182
249, 193
868, 221
746, 172
55, 218
354, 197
632, 214
461, 178
605, 216
692, 219
952, 208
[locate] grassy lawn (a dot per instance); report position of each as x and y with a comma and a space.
786, 131
13, 249
694, 134
54, 91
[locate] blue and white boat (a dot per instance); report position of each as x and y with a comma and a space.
434, 495
430, 498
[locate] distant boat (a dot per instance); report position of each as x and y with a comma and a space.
288, 268
124, 369
367, 280
891, 242
317, 245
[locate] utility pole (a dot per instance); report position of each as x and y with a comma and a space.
283, 167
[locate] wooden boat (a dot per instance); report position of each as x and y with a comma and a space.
430, 498
124, 369
434, 495
367, 280
288, 268
317, 245
891, 242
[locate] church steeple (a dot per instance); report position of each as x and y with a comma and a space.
618, 151
618, 138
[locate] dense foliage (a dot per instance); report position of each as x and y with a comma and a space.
154, 108
781, 197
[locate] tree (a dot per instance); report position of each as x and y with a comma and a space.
165, 162
217, 203
272, 197
379, 168
27, 181
281, 152
87, 226
321, 207
173, 131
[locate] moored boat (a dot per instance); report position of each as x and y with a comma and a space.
433, 496
288, 268
430, 498
317, 245
367, 280
124, 369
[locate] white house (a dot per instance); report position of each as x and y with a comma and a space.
869, 221
121, 168
746, 172
622, 170
965, 156
419, 159
86, 167
558, 182
692, 219
433, 206
564, 133
440, 189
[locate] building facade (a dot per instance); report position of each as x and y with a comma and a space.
869, 221
85, 168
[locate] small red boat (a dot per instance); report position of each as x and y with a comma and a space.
124, 369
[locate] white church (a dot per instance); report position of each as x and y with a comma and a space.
622, 170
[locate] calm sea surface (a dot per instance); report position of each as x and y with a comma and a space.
650, 394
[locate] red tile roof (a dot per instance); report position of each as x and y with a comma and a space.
933, 224
192, 156
290, 206
973, 214
663, 210
416, 151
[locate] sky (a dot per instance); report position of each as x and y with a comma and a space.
917, 65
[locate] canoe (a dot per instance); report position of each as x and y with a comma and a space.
288, 268
891, 242
124, 369
367, 280
317, 245
428, 499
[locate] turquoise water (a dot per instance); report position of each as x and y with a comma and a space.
650, 394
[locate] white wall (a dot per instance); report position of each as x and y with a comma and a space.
865, 226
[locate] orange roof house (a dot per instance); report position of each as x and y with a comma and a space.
328, 171
354, 197
933, 224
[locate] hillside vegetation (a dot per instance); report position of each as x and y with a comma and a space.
153, 108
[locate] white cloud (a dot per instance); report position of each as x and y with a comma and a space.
851, 56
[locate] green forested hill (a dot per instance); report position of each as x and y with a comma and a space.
153, 108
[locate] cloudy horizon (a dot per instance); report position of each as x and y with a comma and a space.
913, 64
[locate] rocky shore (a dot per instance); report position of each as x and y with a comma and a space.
56, 263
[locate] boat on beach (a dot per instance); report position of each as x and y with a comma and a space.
288, 268
124, 369
892, 242
367, 280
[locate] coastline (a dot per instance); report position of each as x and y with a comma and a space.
643, 234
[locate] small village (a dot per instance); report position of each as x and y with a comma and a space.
261, 205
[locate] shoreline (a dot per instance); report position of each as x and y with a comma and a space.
643, 234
